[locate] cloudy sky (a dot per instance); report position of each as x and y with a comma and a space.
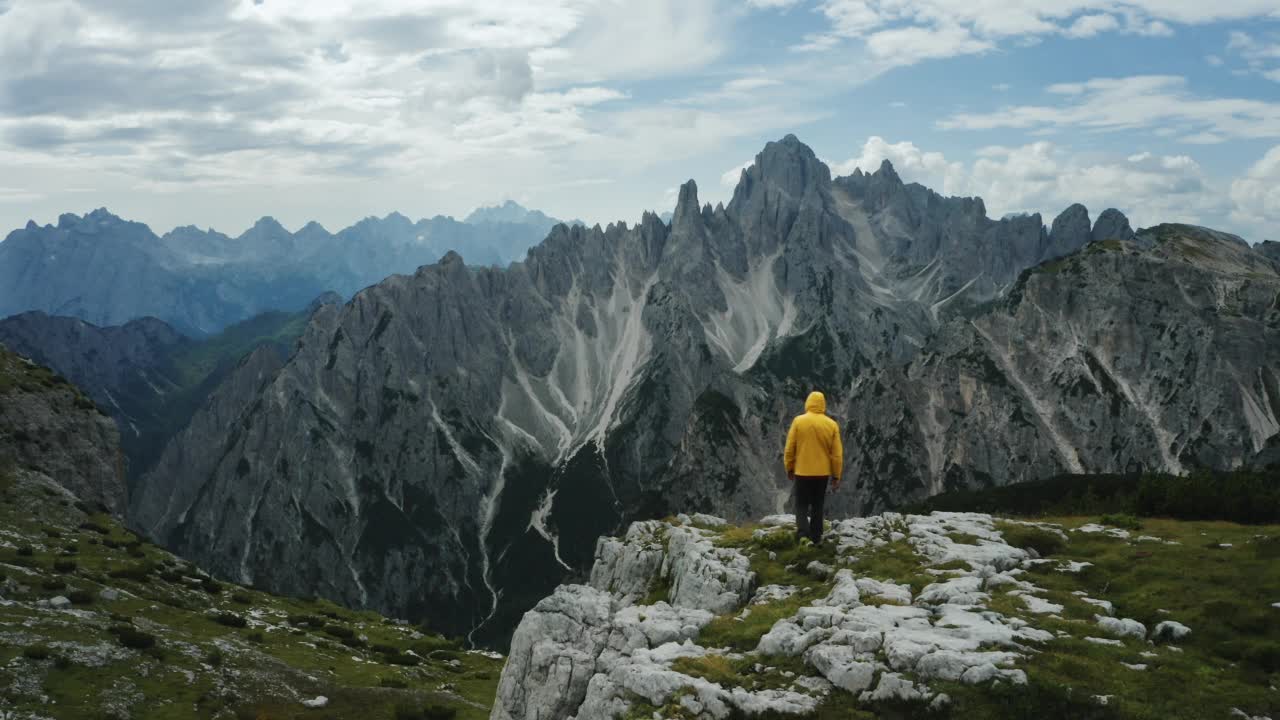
217, 112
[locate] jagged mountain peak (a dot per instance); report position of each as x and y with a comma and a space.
790, 165
887, 171
94, 218
687, 207
313, 228
1112, 225
510, 211
267, 224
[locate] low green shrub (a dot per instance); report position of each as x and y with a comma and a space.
36, 652
430, 712
64, 566
132, 637
230, 619
1121, 520
1243, 496
140, 572
94, 527
81, 597
1044, 542
339, 631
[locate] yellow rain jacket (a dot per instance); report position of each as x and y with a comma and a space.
813, 443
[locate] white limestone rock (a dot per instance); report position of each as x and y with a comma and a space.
1102, 641
629, 567
773, 593
843, 665
956, 591
1094, 528
553, 655
704, 576
1170, 630
1040, 606
1121, 627
893, 686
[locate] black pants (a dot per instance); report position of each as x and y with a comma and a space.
810, 494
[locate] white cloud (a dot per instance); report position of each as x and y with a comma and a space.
907, 45
912, 164
616, 40
1256, 196
246, 108
1153, 101
1090, 25
731, 176
985, 23
1260, 55
1045, 178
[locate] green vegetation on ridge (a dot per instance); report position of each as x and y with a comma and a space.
145, 635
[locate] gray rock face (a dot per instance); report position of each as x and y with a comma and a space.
1161, 356
1070, 232
219, 415
48, 426
1112, 225
108, 271
554, 654
450, 444
698, 574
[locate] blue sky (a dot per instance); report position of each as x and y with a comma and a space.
599, 109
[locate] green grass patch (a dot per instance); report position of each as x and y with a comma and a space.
1028, 537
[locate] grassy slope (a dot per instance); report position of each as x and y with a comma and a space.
199, 668
19, 375
1231, 660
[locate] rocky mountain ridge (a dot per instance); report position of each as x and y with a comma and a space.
458, 439
149, 377
48, 427
109, 271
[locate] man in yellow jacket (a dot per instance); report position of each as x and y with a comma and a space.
813, 455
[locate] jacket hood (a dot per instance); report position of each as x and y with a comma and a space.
817, 403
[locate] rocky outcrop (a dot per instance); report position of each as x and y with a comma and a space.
1070, 232
49, 427
587, 653
1112, 225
